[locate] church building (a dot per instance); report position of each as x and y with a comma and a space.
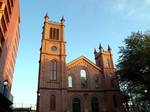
78, 86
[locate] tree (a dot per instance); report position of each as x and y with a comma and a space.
134, 66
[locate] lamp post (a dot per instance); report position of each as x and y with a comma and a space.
5, 82
38, 99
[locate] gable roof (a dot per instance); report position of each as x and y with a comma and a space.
83, 58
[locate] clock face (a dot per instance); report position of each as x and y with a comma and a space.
54, 48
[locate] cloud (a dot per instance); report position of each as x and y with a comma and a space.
133, 9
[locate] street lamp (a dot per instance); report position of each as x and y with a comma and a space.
3, 106
145, 91
38, 94
38, 99
5, 82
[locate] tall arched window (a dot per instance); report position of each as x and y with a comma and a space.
83, 78
53, 72
54, 32
50, 33
53, 102
69, 81
57, 34
95, 104
76, 105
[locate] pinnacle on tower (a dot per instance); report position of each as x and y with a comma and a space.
109, 48
46, 17
62, 19
95, 51
100, 47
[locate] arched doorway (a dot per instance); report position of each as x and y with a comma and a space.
95, 104
76, 105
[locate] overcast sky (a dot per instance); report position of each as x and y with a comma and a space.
88, 23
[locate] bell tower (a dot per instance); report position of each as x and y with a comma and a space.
104, 59
111, 85
105, 62
52, 64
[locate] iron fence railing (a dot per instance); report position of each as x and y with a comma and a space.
5, 92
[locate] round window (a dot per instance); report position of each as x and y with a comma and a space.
54, 48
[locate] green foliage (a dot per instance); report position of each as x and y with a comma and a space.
134, 67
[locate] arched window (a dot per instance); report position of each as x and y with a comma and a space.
53, 72
53, 102
54, 32
83, 78
76, 105
57, 34
83, 74
50, 33
69, 81
95, 104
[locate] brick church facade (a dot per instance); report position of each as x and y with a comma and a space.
77, 86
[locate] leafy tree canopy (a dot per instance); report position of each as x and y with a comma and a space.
134, 61
134, 64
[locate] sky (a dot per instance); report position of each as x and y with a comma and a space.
87, 23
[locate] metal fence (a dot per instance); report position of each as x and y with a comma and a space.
5, 92
23, 105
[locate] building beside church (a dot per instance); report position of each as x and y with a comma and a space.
77, 86
9, 41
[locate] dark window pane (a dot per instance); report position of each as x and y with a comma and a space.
54, 32
50, 33
57, 34
76, 105
115, 101
95, 104
53, 102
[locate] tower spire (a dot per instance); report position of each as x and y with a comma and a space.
95, 51
100, 47
62, 19
46, 17
109, 48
